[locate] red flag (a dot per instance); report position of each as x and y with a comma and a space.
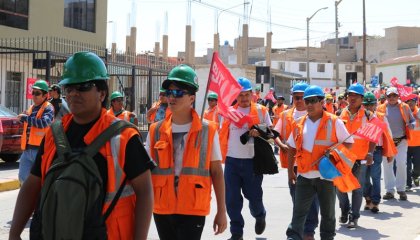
222, 82
372, 130
403, 91
29, 83
270, 96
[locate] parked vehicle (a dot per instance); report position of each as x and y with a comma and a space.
12, 131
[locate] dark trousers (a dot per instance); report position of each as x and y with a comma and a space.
306, 190
179, 227
312, 218
240, 177
413, 164
374, 172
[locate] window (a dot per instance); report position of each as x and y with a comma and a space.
359, 68
80, 14
321, 68
302, 67
14, 13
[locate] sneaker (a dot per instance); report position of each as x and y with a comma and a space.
375, 208
236, 237
344, 217
353, 223
408, 189
403, 196
388, 196
416, 181
260, 226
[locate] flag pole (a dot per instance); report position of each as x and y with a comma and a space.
207, 87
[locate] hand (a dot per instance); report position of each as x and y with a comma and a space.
369, 159
292, 176
284, 148
19, 117
220, 222
254, 133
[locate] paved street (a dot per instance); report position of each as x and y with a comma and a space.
397, 220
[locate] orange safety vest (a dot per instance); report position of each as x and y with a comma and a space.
405, 113
125, 115
415, 133
194, 186
151, 118
212, 115
360, 145
120, 223
36, 134
325, 138
330, 107
277, 111
287, 122
257, 113
388, 145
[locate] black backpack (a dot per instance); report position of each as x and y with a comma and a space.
72, 196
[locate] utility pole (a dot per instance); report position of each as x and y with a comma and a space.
364, 44
337, 46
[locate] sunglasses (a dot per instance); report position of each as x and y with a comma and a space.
297, 98
176, 93
117, 100
211, 99
84, 87
312, 100
36, 93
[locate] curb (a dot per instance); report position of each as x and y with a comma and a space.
7, 185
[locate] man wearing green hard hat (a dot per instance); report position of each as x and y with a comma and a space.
121, 167
117, 109
159, 109
36, 120
212, 113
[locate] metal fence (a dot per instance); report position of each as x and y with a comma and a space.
138, 76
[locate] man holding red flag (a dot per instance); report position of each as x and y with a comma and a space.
239, 163
400, 121
355, 117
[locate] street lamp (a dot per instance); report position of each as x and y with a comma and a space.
337, 50
217, 40
307, 43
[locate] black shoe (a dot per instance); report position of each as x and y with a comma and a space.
375, 208
388, 196
236, 237
403, 196
353, 223
260, 226
344, 217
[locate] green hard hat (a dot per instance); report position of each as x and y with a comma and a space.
183, 74
162, 90
83, 67
212, 95
258, 88
41, 85
369, 98
116, 94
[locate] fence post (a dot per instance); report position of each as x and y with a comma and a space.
132, 92
48, 67
149, 90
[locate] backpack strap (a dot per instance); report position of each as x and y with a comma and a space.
114, 200
106, 135
61, 142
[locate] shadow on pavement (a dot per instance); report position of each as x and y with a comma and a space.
403, 204
8, 165
361, 233
381, 215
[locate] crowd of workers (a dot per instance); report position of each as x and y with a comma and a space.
172, 174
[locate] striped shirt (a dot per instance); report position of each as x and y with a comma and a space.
43, 122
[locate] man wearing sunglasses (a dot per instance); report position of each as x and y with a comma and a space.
285, 126
60, 105
239, 163
212, 114
401, 120
36, 121
313, 134
187, 152
122, 160
117, 109
159, 109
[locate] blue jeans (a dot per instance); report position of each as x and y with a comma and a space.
413, 164
26, 161
373, 190
312, 218
359, 171
239, 176
306, 190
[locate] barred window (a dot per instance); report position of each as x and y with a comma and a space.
302, 67
14, 13
80, 14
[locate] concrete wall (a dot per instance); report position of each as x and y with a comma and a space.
46, 18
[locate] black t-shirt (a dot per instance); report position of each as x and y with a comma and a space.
56, 102
137, 160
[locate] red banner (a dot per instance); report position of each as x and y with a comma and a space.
403, 91
29, 83
222, 82
372, 131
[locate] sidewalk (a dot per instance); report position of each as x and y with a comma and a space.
9, 176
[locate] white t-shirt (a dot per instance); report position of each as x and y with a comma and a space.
235, 148
309, 131
179, 137
296, 114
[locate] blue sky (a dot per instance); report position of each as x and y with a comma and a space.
288, 20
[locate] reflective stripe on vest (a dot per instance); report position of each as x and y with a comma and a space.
327, 142
201, 170
260, 113
344, 157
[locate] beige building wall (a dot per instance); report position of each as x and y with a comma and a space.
46, 19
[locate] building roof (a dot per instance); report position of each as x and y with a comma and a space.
400, 60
